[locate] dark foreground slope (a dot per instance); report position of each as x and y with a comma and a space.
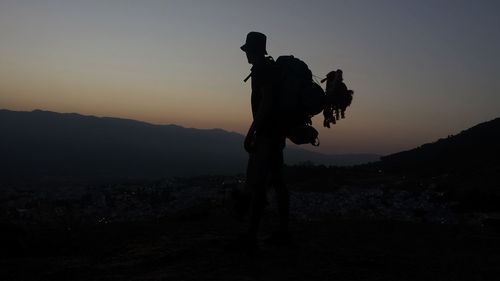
202, 245
53, 145
183, 229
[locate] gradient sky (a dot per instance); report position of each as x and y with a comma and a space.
421, 70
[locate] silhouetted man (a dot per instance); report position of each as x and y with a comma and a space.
265, 139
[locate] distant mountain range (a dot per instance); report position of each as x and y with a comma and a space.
474, 149
43, 144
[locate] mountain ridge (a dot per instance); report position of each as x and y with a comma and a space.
45, 143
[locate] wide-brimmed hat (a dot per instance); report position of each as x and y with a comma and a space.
255, 43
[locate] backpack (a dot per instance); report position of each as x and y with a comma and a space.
300, 98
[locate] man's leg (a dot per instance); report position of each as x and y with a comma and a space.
258, 204
258, 176
282, 236
283, 198
282, 194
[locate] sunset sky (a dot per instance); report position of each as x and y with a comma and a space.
420, 70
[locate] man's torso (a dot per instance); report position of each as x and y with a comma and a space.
264, 75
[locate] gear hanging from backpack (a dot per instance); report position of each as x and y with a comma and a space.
338, 98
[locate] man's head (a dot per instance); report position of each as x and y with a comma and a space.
255, 46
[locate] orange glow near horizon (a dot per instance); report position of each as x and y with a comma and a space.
417, 76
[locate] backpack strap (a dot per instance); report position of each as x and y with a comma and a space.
248, 77
269, 58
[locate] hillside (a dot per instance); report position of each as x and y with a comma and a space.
474, 149
48, 144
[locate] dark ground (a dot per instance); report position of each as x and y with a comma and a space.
201, 244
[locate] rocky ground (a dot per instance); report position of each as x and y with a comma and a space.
184, 229
202, 244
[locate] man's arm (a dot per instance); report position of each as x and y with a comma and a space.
249, 139
262, 116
